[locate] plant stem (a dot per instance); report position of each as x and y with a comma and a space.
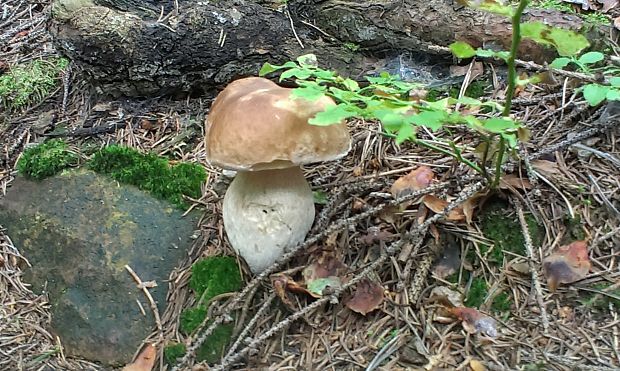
457, 156
514, 48
512, 82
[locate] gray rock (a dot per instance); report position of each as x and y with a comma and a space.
79, 230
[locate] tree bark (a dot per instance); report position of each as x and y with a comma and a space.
146, 48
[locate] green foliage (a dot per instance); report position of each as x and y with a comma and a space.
46, 159
593, 18
501, 303
566, 42
477, 293
173, 351
386, 99
151, 173
28, 84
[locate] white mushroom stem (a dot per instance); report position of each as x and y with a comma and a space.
266, 213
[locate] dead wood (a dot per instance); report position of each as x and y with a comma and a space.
143, 48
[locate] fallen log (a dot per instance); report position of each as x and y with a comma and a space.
147, 48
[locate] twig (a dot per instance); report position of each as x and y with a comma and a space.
152, 304
532, 263
288, 14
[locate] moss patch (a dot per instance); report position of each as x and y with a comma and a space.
505, 232
174, 351
477, 293
191, 318
501, 303
215, 344
30, 83
46, 159
151, 173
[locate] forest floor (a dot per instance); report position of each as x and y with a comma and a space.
563, 188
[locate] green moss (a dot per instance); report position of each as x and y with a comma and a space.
173, 351
505, 231
46, 159
211, 276
477, 293
501, 303
151, 173
191, 318
214, 276
215, 344
28, 84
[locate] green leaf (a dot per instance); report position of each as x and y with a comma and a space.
318, 285
511, 139
615, 81
300, 73
566, 42
352, 85
469, 101
594, 94
485, 53
333, 115
499, 125
310, 93
391, 121
462, 49
613, 94
591, 57
430, 119
406, 132
319, 197
268, 67
560, 62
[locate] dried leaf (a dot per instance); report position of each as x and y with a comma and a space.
617, 23
367, 297
608, 5
416, 180
280, 287
450, 260
438, 205
474, 321
476, 365
510, 181
567, 264
446, 296
375, 234
546, 167
145, 360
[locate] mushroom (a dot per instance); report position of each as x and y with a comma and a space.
256, 128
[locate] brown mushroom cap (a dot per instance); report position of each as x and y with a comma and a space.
254, 124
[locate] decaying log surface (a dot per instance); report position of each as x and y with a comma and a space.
131, 48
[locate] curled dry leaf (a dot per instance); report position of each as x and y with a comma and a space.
567, 264
367, 297
416, 180
438, 205
145, 360
474, 321
280, 283
376, 234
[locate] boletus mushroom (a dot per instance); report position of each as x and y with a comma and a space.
258, 129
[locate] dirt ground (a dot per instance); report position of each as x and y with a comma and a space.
572, 167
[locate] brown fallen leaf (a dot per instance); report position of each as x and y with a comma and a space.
509, 181
476, 365
438, 205
145, 360
280, 287
546, 167
375, 234
474, 321
608, 5
567, 264
416, 180
368, 296
446, 296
